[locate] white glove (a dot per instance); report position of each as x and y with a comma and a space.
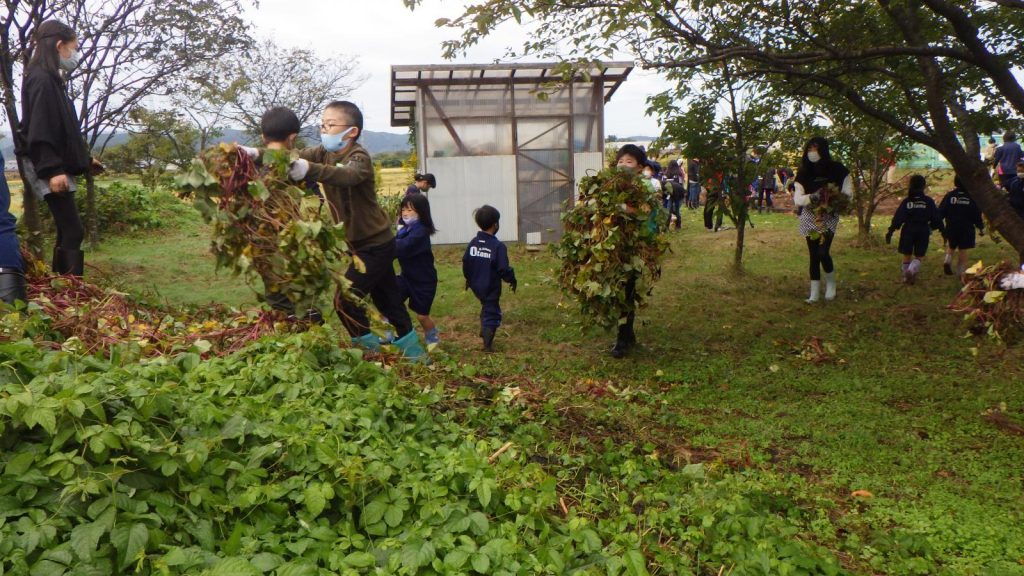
252, 152
298, 170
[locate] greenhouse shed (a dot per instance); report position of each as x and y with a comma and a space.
510, 135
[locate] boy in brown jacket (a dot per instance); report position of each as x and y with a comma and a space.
345, 170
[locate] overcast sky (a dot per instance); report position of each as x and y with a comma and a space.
384, 32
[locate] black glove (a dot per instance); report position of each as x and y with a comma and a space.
514, 284
467, 285
981, 231
888, 237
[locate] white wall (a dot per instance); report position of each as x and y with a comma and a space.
464, 183
584, 163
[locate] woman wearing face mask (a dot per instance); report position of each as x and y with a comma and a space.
818, 170
50, 141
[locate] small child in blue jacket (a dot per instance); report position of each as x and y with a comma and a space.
418, 281
916, 217
484, 265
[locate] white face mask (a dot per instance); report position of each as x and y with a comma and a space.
70, 63
1020, 174
813, 156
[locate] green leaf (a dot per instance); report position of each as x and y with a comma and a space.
138, 537
85, 538
360, 560
374, 512
456, 559
234, 567
19, 464
393, 516
314, 499
636, 564
481, 563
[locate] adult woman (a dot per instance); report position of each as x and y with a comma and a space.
817, 172
50, 139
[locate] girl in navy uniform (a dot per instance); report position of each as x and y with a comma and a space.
916, 217
418, 281
961, 216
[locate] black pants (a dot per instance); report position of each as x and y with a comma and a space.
65, 215
626, 328
673, 210
821, 257
380, 284
709, 212
765, 196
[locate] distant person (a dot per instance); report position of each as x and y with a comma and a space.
1006, 158
693, 183
818, 170
1016, 190
12, 268
50, 141
421, 183
417, 283
652, 171
961, 216
916, 217
988, 155
714, 202
676, 191
485, 265
766, 191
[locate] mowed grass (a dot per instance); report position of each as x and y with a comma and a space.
878, 391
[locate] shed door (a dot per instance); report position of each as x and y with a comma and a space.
544, 175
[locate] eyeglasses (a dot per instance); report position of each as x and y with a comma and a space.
324, 127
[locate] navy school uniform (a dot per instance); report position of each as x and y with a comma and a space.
1016, 188
484, 265
418, 281
961, 216
915, 218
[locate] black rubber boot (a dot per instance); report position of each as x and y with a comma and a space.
73, 262
625, 340
12, 286
56, 264
487, 334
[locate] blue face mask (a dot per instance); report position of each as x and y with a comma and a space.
335, 142
411, 219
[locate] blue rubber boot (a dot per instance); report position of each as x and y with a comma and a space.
368, 342
411, 348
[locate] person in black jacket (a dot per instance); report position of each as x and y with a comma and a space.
916, 217
49, 141
484, 265
961, 216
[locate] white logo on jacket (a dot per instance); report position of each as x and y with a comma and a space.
961, 201
912, 205
480, 252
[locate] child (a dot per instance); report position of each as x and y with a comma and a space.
629, 157
916, 217
418, 281
346, 172
1016, 188
421, 183
485, 264
280, 128
961, 216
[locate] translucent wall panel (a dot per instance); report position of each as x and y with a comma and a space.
465, 184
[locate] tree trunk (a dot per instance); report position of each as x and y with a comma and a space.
92, 234
992, 201
741, 230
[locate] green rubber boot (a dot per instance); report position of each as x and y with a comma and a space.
368, 342
412, 349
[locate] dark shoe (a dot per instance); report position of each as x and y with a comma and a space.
487, 334
620, 348
948, 269
68, 262
12, 286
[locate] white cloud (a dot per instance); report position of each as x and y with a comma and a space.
384, 32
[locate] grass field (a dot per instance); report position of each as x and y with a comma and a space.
878, 391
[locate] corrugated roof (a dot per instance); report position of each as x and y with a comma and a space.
405, 79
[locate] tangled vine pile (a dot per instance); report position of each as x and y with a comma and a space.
992, 300
611, 235
65, 312
266, 227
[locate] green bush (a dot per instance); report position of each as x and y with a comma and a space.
124, 207
293, 457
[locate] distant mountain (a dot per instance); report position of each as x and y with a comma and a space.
374, 142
